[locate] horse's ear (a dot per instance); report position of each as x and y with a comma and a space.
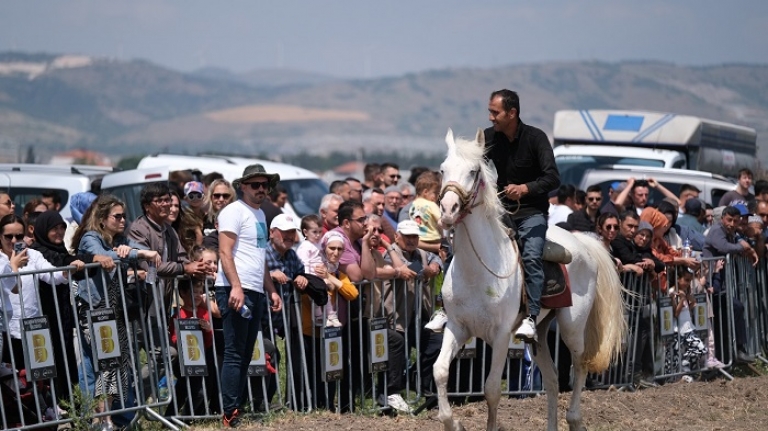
449, 138
480, 138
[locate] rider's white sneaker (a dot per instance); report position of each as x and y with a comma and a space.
527, 331
439, 319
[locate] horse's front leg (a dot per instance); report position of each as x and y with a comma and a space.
453, 338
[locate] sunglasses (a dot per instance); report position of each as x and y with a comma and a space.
221, 195
9, 203
360, 220
10, 236
379, 230
594, 199
395, 176
195, 196
257, 185
118, 217
611, 227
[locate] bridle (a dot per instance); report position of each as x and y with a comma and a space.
467, 200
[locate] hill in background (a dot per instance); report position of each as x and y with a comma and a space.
55, 103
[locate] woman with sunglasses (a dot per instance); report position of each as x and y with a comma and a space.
220, 194
102, 234
607, 228
23, 297
196, 200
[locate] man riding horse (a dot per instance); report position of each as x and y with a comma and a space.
526, 170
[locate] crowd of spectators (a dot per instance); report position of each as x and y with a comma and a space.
378, 238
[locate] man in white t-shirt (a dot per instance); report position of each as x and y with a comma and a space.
243, 281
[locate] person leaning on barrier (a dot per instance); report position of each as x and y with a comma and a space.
635, 254
721, 241
50, 229
102, 233
372, 307
23, 298
424, 265
153, 231
193, 297
284, 265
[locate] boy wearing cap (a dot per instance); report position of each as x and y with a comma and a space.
243, 279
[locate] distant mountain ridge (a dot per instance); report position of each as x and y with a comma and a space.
60, 102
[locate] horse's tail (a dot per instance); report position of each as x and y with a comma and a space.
606, 326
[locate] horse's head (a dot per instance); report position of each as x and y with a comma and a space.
464, 176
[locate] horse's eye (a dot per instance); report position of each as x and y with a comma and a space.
473, 172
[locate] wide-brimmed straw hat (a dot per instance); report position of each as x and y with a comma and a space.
257, 170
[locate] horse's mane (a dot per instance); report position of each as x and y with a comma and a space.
473, 153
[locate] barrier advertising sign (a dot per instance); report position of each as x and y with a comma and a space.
189, 339
333, 365
258, 364
379, 345
104, 340
38, 354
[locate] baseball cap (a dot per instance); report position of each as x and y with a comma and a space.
408, 227
193, 186
284, 222
742, 209
693, 205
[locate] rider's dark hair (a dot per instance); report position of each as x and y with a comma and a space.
509, 99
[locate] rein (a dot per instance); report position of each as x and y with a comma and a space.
477, 255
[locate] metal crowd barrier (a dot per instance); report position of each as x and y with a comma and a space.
99, 346
303, 365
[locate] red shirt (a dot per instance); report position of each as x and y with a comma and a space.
202, 313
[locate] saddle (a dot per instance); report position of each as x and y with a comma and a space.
557, 286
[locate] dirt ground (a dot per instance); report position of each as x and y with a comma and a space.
741, 404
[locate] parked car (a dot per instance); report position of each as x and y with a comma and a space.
712, 186
305, 189
25, 181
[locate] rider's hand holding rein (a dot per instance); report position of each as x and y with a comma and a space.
515, 191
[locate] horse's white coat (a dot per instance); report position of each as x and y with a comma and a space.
481, 290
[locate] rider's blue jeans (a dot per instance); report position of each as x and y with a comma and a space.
532, 232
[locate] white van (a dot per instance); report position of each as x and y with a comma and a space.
573, 160
305, 189
712, 186
24, 181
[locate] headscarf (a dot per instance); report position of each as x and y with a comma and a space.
659, 246
44, 223
331, 236
79, 203
654, 217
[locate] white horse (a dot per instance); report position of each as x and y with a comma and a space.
483, 286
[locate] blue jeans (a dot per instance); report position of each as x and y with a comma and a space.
239, 337
532, 232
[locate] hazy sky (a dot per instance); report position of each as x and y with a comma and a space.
359, 38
